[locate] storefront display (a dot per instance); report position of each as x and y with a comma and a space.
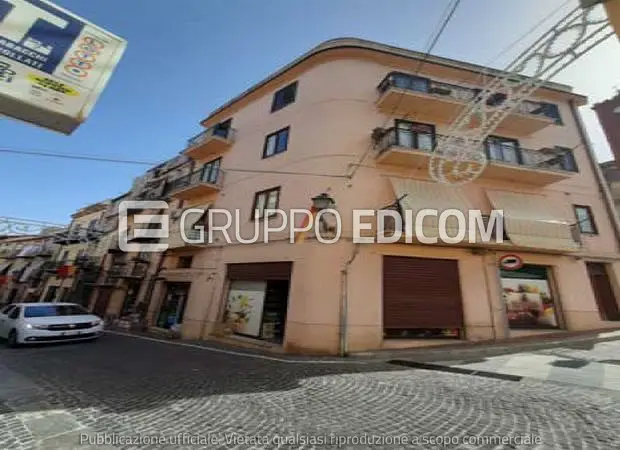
528, 298
244, 309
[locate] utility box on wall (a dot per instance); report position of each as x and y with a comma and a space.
53, 64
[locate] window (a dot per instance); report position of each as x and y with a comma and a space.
415, 135
265, 200
185, 262
15, 313
567, 160
503, 149
276, 143
222, 129
211, 171
410, 82
585, 220
284, 97
7, 309
54, 310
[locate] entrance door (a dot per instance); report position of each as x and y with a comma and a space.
173, 307
603, 292
274, 311
103, 300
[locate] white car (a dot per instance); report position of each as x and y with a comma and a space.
31, 323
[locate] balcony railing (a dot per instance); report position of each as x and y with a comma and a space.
462, 94
206, 175
203, 136
557, 158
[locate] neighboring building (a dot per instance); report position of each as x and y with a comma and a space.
608, 113
353, 105
611, 172
24, 261
75, 271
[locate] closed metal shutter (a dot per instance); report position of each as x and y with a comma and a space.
603, 292
260, 271
421, 293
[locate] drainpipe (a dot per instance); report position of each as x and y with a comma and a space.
611, 210
344, 302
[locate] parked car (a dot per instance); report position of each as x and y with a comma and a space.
31, 323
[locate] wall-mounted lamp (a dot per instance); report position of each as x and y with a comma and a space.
323, 201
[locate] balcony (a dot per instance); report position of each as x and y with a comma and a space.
535, 167
542, 167
440, 102
209, 142
204, 181
402, 148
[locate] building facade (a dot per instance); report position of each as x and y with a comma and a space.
355, 122
351, 106
608, 113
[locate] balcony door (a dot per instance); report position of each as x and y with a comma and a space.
415, 135
503, 149
211, 171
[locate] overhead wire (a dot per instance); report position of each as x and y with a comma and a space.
432, 42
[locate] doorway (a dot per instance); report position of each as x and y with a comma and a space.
103, 299
173, 306
603, 292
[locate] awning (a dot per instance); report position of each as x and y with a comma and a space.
534, 221
418, 195
5, 266
31, 269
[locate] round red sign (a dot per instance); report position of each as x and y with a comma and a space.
510, 262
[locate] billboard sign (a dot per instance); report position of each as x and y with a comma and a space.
53, 64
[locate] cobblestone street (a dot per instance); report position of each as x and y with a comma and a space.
68, 396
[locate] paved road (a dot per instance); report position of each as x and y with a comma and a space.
123, 388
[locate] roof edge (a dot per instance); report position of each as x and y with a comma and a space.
347, 42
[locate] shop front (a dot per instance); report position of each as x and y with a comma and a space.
257, 300
529, 298
173, 306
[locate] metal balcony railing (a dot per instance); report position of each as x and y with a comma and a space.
556, 158
461, 93
208, 174
224, 133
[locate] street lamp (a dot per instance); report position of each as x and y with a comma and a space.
323, 201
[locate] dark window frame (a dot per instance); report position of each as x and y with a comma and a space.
12, 314
214, 164
277, 105
415, 134
277, 134
594, 231
265, 192
519, 155
570, 154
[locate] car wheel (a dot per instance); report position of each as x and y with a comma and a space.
12, 339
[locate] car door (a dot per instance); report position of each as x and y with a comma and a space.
4, 318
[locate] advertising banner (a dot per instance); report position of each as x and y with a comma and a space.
53, 64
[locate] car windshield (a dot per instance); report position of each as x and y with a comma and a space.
54, 310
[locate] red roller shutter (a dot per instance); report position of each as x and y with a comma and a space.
421, 293
260, 271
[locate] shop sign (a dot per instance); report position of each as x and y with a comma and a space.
510, 262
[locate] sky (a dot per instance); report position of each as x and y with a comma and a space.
186, 58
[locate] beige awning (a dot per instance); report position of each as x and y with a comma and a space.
418, 195
534, 221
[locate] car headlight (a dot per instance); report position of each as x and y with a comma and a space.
29, 326
96, 323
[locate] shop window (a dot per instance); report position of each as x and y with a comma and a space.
258, 309
528, 298
173, 306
